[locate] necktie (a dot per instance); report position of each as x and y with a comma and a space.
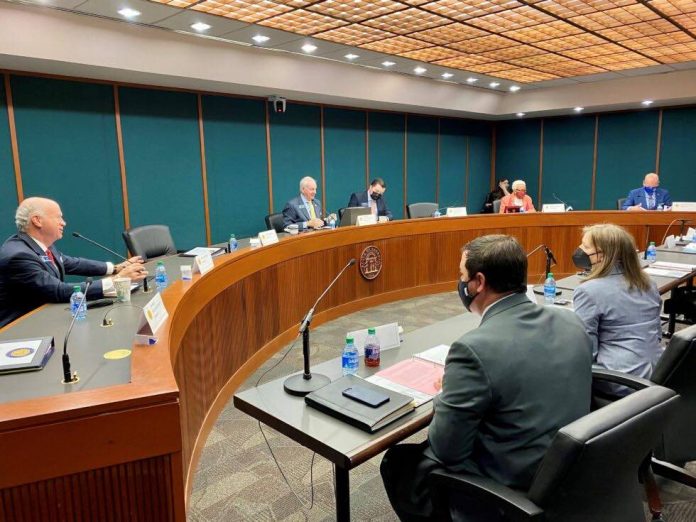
312, 214
50, 257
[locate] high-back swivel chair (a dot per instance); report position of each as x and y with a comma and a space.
149, 241
420, 210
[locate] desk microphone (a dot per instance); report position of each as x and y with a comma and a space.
305, 383
72, 378
566, 205
681, 229
146, 289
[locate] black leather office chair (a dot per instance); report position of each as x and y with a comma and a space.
676, 370
619, 203
589, 473
149, 241
420, 210
275, 222
496, 206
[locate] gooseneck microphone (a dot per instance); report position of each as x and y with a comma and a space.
566, 205
68, 377
146, 289
302, 384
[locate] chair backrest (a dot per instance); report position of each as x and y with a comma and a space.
619, 203
420, 210
149, 241
590, 471
676, 370
496, 206
275, 222
340, 213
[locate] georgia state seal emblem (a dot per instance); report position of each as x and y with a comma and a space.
370, 262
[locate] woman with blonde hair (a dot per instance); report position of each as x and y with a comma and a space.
617, 302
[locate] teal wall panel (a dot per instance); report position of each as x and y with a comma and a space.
161, 146
295, 151
453, 160
678, 154
66, 134
568, 160
517, 153
236, 165
386, 157
626, 151
479, 159
421, 168
344, 155
8, 186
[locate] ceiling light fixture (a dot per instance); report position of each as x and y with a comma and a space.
579, 109
447, 75
646, 103
388, 63
493, 85
520, 114
127, 12
351, 56
260, 38
471, 80
515, 88
419, 70
200, 27
309, 48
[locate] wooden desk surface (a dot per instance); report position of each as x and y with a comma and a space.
222, 327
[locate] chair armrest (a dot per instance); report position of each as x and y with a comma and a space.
516, 506
631, 381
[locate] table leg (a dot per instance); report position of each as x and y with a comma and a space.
342, 487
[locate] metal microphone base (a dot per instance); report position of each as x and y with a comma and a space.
299, 386
75, 379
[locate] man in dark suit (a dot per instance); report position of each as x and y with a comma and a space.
373, 198
32, 270
508, 387
649, 197
304, 210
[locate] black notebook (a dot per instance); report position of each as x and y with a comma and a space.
25, 355
330, 399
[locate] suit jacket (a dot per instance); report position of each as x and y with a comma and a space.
361, 199
28, 279
637, 197
508, 387
509, 201
295, 212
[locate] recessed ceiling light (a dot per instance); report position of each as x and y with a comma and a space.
309, 48
260, 38
493, 85
471, 80
520, 114
419, 70
127, 12
388, 63
647, 103
351, 56
515, 88
579, 109
447, 75
200, 27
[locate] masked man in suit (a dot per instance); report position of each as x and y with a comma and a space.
373, 198
649, 197
32, 269
509, 385
305, 209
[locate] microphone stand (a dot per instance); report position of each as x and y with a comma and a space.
304, 383
68, 377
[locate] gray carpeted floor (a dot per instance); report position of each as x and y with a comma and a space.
237, 478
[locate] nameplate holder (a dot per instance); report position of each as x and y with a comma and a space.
553, 207
456, 212
153, 317
684, 206
268, 237
383, 219
203, 263
368, 219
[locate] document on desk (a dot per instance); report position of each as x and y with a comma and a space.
213, 251
665, 271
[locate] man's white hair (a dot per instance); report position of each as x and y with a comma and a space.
518, 183
305, 181
26, 209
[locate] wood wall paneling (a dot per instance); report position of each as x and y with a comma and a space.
10, 178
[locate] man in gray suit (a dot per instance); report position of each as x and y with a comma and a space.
305, 209
508, 387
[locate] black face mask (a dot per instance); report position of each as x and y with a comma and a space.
464, 295
581, 259
375, 196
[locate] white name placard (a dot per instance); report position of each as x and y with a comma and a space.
684, 206
368, 219
203, 263
553, 207
456, 212
154, 316
268, 237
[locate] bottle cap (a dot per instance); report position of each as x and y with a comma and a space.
652, 243
160, 263
231, 236
550, 274
77, 288
370, 331
349, 340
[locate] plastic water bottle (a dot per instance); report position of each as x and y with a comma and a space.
651, 254
372, 348
79, 312
332, 222
350, 359
549, 289
233, 244
437, 213
161, 280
